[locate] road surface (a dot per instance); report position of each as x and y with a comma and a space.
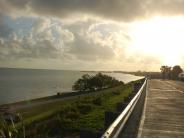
163, 115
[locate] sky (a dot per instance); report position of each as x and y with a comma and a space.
126, 35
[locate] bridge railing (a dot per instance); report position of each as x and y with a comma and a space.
117, 126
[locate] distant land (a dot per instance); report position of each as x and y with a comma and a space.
136, 73
153, 75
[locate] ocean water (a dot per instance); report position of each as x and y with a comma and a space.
24, 84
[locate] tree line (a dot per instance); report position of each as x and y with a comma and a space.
95, 82
171, 72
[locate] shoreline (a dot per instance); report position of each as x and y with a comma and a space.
16, 106
13, 107
36, 99
19, 91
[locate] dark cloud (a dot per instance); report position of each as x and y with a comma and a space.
126, 10
115, 9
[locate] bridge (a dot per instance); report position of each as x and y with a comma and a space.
156, 111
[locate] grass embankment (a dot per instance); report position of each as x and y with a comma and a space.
67, 118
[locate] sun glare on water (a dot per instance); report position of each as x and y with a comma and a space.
162, 37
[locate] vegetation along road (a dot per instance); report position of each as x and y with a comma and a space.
66, 116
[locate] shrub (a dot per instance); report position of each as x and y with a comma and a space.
84, 108
72, 115
65, 123
117, 92
97, 101
97, 82
9, 130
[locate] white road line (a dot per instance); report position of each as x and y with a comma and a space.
169, 84
164, 131
168, 90
163, 90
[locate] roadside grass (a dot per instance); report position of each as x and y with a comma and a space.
67, 117
95, 119
47, 108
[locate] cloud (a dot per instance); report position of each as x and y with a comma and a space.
116, 9
15, 49
123, 10
38, 43
86, 49
79, 41
92, 43
5, 30
84, 45
41, 25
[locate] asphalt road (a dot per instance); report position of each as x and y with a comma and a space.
163, 115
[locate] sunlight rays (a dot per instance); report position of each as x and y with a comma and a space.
161, 37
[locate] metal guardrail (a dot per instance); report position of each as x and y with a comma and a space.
116, 127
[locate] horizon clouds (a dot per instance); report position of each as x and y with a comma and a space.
78, 34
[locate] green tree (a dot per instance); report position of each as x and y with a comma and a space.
166, 72
176, 70
82, 84
96, 82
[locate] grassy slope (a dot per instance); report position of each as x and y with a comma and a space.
69, 116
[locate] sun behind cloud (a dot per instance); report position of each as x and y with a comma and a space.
161, 37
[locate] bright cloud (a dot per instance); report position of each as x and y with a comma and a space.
91, 34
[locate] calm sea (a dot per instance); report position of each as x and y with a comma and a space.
23, 84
